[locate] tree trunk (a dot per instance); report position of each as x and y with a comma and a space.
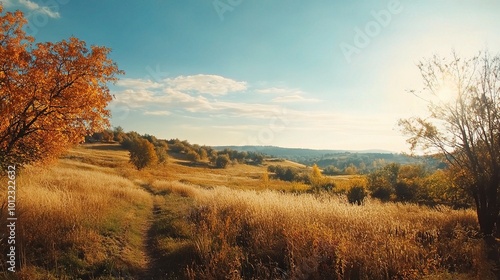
487, 221
485, 197
497, 231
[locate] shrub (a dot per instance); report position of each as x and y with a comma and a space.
405, 191
356, 195
284, 173
382, 193
142, 153
161, 153
222, 161
193, 156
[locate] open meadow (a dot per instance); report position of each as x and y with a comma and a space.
92, 215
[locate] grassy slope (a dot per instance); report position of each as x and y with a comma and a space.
92, 215
81, 218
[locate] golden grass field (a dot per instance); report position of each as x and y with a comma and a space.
93, 216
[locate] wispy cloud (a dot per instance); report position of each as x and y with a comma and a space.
177, 100
293, 98
200, 108
158, 113
138, 83
191, 94
286, 95
50, 11
280, 91
6, 3
206, 84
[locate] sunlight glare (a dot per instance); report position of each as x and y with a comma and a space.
446, 91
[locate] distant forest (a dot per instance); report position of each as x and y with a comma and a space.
335, 162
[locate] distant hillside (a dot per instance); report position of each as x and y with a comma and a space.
365, 160
295, 152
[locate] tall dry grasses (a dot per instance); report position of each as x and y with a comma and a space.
77, 222
270, 235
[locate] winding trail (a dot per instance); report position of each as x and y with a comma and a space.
154, 270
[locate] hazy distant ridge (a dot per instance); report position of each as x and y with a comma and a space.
282, 152
363, 159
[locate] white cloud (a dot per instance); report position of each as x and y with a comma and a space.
174, 99
185, 93
137, 83
158, 113
286, 95
245, 118
280, 91
293, 98
206, 84
49, 11
6, 3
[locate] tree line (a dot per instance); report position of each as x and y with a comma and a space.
146, 150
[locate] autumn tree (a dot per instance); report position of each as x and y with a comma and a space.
193, 156
222, 161
107, 135
382, 182
316, 178
351, 170
463, 125
142, 153
51, 94
161, 149
265, 178
118, 134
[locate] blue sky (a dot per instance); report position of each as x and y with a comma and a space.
311, 74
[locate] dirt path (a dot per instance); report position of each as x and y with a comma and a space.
167, 244
154, 269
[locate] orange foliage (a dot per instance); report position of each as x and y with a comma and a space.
51, 94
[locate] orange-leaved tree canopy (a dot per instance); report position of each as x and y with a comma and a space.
51, 94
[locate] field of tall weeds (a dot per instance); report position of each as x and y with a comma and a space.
244, 234
92, 216
76, 221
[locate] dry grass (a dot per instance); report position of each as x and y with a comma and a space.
239, 176
79, 220
90, 216
269, 235
344, 183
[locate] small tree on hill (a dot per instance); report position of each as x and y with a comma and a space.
222, 161
107, 135
382, 182
351, 169
315, 173
161, 150
316, 178
142, 153
193, 156
265, 178
118, 134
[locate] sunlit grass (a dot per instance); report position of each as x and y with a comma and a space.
93, 214
344, 183
79, 219
267, 234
